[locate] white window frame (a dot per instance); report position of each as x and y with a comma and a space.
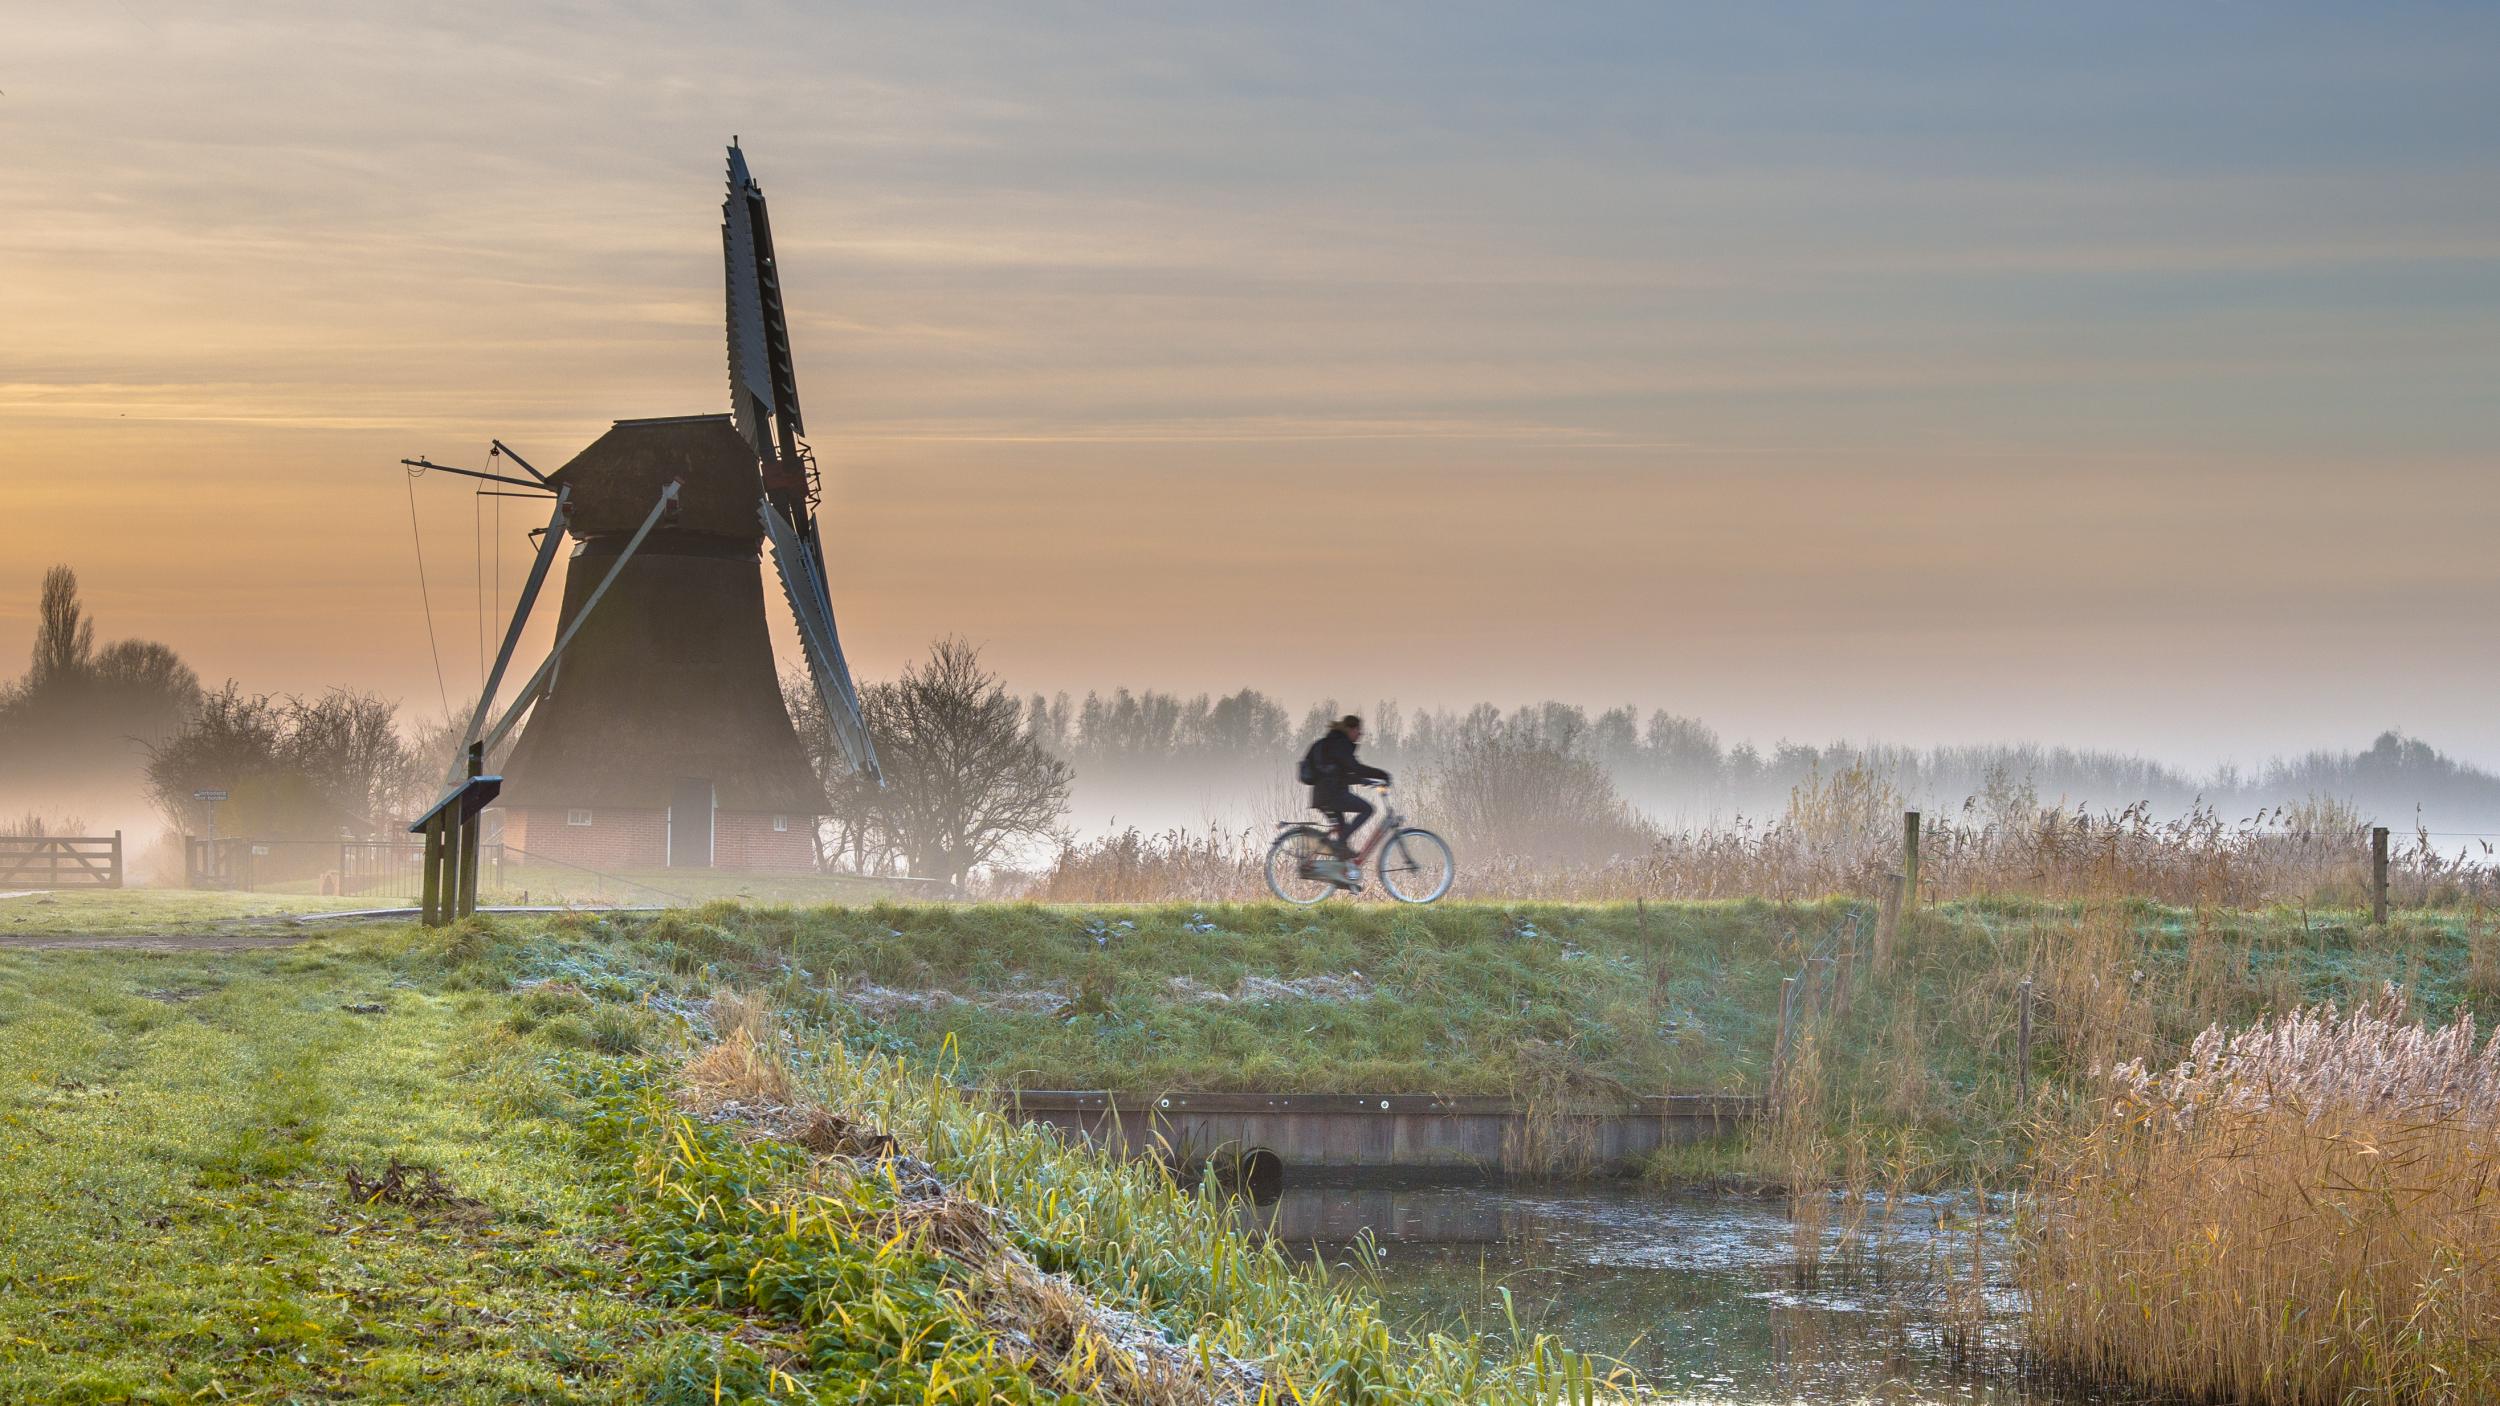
781, 824
577, 817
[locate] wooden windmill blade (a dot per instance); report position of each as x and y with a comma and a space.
764, 406
795, 561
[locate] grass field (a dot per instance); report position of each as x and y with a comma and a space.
1557, 1002
183, 1215
139, 912
173, 1200
180, 1120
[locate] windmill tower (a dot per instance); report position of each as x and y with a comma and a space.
656, 732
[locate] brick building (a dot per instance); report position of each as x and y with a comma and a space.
661, 739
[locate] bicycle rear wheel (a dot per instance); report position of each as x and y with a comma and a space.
1416, 866
1293, 872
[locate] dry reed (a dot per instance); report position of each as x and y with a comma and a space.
1840, 837
2302, 1212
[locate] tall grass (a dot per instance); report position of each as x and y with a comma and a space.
1842, 835
2302, 1212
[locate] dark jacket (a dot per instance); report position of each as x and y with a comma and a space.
1338, 771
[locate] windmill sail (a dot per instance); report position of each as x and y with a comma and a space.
818, 640
764, 405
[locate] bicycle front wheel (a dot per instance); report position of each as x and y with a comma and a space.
1293, 872
1416, 866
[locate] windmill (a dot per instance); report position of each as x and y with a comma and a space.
656, 732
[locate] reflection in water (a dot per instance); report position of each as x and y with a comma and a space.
1699, 1294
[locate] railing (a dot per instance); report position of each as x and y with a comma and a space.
61, 861
378, 869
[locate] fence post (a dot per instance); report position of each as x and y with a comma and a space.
1887, 921
1779, 1045
2378, 876
2022, 1042
1909, 861
117, 859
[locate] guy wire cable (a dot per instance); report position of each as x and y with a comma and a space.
424, 595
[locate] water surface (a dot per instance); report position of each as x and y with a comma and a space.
1715, 1299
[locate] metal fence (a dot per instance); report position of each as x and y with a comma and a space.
61, 861
378, 869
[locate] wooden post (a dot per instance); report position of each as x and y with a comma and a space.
1909, 861
1779, 1045
2022, 1041
1887, 922
2378, 876
469, 826
430, 906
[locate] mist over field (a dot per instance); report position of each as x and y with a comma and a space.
116, 735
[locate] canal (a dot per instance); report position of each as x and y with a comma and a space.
1711, 1298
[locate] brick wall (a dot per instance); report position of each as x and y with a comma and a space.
743, 839
614, 838
638, 839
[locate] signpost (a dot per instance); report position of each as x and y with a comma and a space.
212, 795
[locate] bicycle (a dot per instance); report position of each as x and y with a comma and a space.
1414, 864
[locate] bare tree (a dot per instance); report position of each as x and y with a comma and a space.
296, 768
1514, 788
851, 833
964, 775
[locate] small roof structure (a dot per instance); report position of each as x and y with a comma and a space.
615, 480
461, 802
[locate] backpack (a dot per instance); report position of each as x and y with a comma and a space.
1313, 771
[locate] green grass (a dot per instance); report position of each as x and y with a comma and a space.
174, 1133
1457, 998
176, 1127
1539, 1001
177, 1130
139, 912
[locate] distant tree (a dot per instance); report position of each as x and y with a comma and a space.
76, 727
64, 636
293, 768
851, 834
439, 746
1504, 787
964, 776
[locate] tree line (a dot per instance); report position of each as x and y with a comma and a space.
974, 772
1679, 769
111, 726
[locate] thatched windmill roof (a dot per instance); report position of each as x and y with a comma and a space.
672, 676
617, 478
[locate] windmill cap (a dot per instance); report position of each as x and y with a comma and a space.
616, 479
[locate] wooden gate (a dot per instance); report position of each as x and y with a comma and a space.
61, 861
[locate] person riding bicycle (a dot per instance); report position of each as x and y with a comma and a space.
1333, 769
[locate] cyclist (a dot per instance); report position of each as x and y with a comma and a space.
1333, 769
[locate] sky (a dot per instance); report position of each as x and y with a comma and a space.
2114, 375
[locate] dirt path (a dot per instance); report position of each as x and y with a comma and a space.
148, 942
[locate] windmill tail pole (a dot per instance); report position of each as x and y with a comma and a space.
547, 545
529, 690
